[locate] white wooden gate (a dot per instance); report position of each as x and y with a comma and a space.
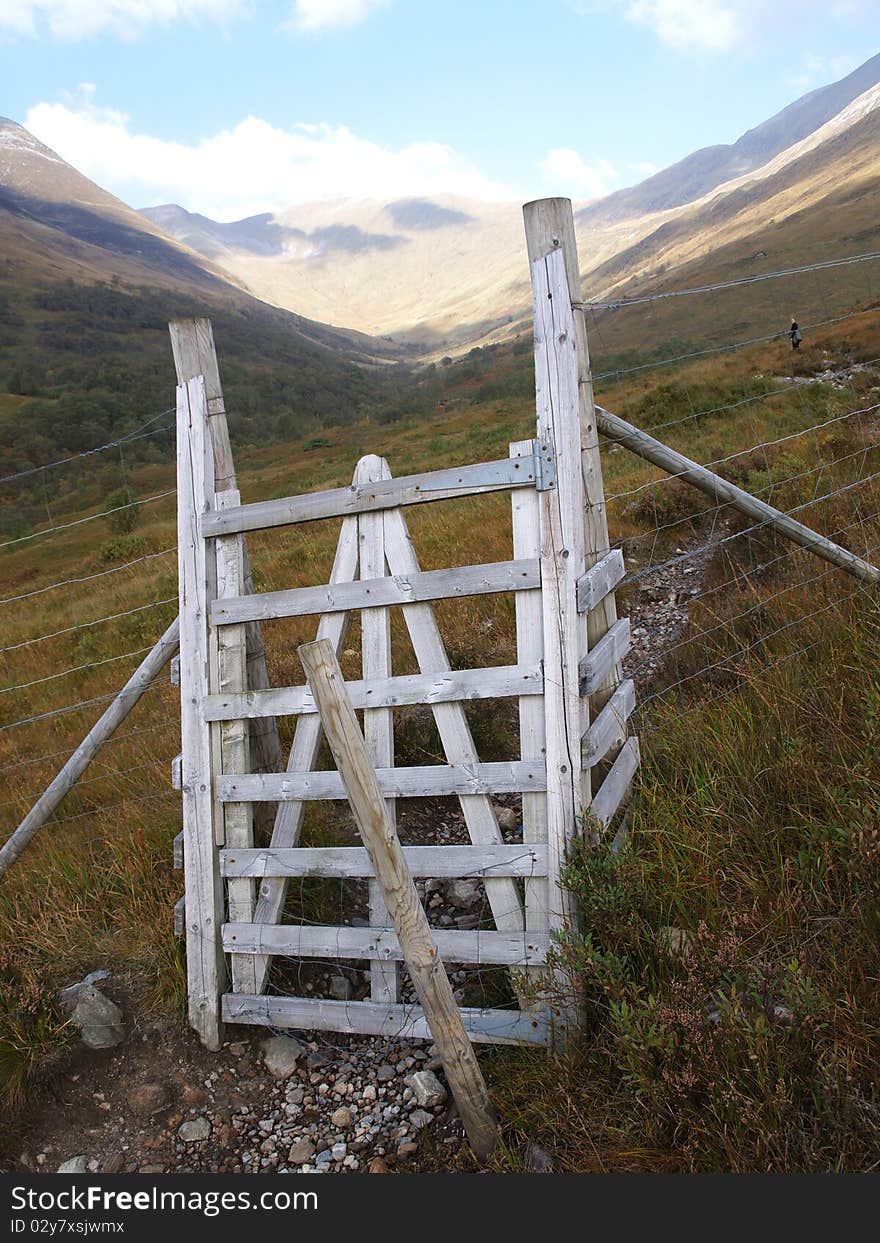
573, 702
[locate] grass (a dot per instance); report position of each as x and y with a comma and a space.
753, 830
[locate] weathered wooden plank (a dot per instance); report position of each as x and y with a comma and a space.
610, 727
378, 720
470, 580
229, 675
179, 917
175, 670
376, 495
595, 584
500, 682
723, 492
353, 861
192, 344
392, 1022
530, 648
563, 557
613, 790
177, 773
427, 781
599, 663
206, 971
418, 947
510, 949
304, 750
451, 722
177, 851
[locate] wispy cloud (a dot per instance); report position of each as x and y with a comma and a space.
253, 166
81, 19
314, 15
572, 175
817, 70
719, 26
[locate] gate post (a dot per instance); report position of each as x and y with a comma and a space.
573, 535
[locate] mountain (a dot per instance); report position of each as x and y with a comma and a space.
87, 287
446, 273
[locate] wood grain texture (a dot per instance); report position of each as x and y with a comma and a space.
391, 1022
410, 922
381, 945
205, 965
426, 781
501, 682
610, 796
377, 495
599, 663
596, 583
469, 580
352, 861
609, 729
378, 721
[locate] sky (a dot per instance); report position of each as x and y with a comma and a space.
234, 107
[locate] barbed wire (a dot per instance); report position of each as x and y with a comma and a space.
87, 578
91, 664
86, 625
736, 283
65, 526
136, 434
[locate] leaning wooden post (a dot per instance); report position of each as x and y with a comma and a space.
103, 729
205, 963
723, 492
413, 931
192, 343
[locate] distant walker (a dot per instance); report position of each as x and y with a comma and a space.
795, 333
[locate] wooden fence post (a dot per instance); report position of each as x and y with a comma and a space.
205, 963
574, 533
192, 343
410, 922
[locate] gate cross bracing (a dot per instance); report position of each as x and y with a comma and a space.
573, 702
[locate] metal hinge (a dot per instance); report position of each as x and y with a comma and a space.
545, 466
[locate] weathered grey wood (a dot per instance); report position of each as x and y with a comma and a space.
470, 580
140, 681
549, 228
230, 676
595, 584
364, 497
613, 790
451, 722
410, 922
179, 917
304, 750
501, 682
427, 781
609, 729
376, 944
353, 861
175, 670
530, 647
392, 1022
723, 492
206, 971
563, 558
177, 773
177, 851
378, 721
192, 344
598, 665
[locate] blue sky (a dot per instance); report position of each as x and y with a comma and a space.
236, 106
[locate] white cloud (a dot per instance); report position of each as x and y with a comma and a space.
819, 70
252, 167
573, 176
718, 26
710, 25
322, 14
78, 19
